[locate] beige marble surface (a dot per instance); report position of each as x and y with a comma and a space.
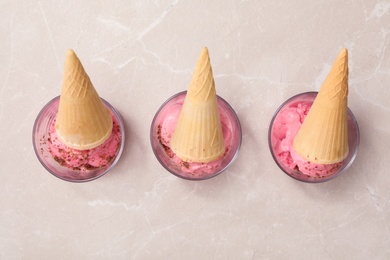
138, 54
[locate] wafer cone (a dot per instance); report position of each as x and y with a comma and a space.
323, 136
83, 122
198, 134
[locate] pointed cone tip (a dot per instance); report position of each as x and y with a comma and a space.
70, 56
204, 52
76, 82
342, 58
202, 86
343, 52
71, 60
203, 57
70, 52
334, 90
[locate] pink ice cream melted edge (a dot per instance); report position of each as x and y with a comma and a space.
285, 127
86, 160
167, 126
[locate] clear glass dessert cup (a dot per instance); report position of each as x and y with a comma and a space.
353, 142
40, 137
160, 150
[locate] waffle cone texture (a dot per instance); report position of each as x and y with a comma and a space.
198, 134
83, 122
323, 136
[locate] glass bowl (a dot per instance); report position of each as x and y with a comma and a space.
40, 137
164, 154
353, 142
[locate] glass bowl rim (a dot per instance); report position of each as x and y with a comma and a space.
121, 123
239, 141
325, 179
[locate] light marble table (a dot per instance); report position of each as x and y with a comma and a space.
138, 54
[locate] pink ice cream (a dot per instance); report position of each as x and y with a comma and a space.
85, 160
285, 127
166, 127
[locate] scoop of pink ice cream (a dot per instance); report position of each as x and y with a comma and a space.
85, 159
285, 127
169, 117
314, 169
